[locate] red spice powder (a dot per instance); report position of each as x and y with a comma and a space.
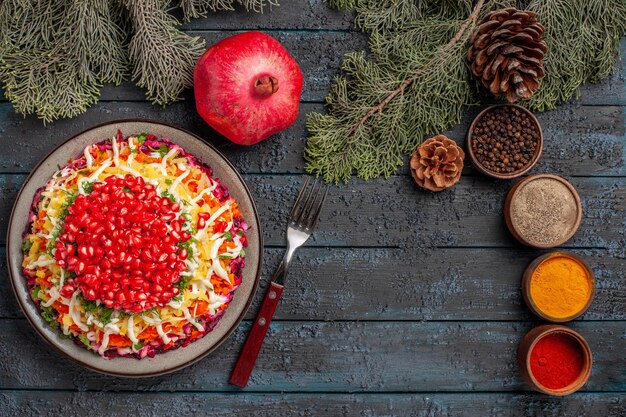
557, 360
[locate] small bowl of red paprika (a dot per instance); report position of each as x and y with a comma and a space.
554, 360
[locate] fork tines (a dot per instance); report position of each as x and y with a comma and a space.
308, 206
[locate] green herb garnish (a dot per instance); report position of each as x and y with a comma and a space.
168, 181
228, 236
187, 245
168, 195
35, 292
87, 187
50, 315
183, 283
138, 345
102, 313
162, 149
27, 245
142, 138
85, 340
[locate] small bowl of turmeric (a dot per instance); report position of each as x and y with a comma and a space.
558, 287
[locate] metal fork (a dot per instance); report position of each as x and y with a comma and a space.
302, 222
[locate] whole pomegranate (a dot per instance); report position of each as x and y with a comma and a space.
248, 87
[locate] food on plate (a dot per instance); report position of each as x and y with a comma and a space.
247, 87
133, 248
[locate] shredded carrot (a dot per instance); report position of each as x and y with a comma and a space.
117, 340
193, 186
149, 333
195, 334
199, 307
60, 307
44, 282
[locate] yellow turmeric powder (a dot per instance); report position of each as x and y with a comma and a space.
560, 286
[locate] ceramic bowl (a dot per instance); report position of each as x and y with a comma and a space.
515, 174
168, 361
528, 343
526, 279
519, 234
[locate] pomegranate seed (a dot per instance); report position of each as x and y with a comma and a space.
122, 245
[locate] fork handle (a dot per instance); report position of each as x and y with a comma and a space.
247, 357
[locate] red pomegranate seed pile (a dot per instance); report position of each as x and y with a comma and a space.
121, 241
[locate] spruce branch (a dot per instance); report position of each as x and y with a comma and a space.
388, 101
200, 8
163, 58
380, 106
583, 44
55, 55
52, 72
415, 82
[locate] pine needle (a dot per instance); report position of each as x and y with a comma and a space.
415, 81
388, 101
201, 8
57, 71
55, 55
163, 58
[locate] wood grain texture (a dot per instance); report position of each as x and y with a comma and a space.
424, 287
587, 140
29, 403
385, 213
442, 284
293, 15
333, 357
320, 53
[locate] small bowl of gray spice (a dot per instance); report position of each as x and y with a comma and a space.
543, 211
504, 141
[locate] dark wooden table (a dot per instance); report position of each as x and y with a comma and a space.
406, 303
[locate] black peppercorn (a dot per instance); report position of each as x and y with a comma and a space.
508, 140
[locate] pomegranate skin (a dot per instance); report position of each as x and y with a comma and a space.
247, 87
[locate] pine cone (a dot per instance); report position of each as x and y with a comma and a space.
506, 52
437, 163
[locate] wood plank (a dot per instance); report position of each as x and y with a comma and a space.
29, 403
334, 357
613, 89
320, 54
588, 140
293, 15
463, 284
395, 212
330, 48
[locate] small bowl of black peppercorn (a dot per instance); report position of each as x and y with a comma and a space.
505, 141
